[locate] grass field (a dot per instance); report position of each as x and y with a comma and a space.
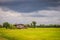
30, 34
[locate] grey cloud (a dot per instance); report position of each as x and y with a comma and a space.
17, 17
49, 11
30, 5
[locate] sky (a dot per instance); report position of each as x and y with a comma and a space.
26, 11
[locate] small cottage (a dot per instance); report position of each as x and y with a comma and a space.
20, 26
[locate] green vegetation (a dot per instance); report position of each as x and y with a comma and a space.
31, 25
8, 25
30, 34
1, 26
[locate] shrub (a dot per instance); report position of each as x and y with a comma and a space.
8, 25
1, 26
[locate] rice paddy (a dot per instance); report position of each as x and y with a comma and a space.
30, 34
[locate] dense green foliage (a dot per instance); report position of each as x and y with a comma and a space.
8, 25
48, 26
31, 25
1, 26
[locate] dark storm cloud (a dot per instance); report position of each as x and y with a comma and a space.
54, 0
42, 11
4, 1
7, 1
29, 5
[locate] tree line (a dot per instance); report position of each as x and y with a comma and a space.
7, 25
33, 24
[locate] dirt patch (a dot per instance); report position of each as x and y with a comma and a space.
1, 38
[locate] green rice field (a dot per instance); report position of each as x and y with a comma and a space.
30, 34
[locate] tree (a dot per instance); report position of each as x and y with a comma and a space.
27, 25
12, 26
34, 24
31, 25
6, 25
1, 26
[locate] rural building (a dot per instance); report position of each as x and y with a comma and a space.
20, 26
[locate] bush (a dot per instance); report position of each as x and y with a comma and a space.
1, 26
8, 25
12, 26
